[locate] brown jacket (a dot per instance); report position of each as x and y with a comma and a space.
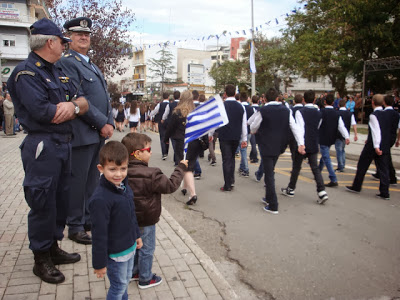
148, 184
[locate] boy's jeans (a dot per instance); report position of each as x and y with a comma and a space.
326, 160
119, 274
340, 153
144, 255
244, 165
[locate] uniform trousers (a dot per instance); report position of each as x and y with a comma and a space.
269, 163
296, 167
382, 164
228, 149
83, 180
46, 187
162, 128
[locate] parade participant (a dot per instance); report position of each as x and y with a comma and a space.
377, 147
331, 124
148, 184
166, 117
45, 102
244, 164
348, 120
90, 131
253, 152
231, 135
134, 116
157, 113
272, 122
116, 235
308, 119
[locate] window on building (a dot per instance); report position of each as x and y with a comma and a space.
7, 5
9, 43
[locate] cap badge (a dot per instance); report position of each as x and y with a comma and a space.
83, 23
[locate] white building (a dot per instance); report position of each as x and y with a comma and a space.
15, 19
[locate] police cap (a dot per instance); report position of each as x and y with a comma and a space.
46, 27
81, 24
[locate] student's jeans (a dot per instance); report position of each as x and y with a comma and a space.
326, 160
340, 153
244, 164
144, 255
119, 274
197, 168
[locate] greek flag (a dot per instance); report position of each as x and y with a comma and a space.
252, 59
205, 118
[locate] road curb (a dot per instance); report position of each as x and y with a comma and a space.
215, 275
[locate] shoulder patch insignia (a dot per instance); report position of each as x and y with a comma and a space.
24, 73
67, 55
38, 64
77, 58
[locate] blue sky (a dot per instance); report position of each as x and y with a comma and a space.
160, 21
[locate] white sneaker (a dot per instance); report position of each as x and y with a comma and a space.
323, 197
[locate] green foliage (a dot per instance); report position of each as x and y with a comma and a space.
332, 38
229, 72
162, 66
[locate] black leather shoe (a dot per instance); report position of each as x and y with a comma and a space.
87, 227
60, 257
192, 200
184, 191
45, 269
332, 184
80, 237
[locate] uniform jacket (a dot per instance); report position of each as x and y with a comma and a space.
114, 224
36, 87
86, 129
148, 184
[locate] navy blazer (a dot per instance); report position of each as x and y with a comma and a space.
89, 81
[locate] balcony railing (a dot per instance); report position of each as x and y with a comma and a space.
139, 77
138, 62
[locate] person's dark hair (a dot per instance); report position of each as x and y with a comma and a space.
298, 98
271, 94
230, 90
135, 141
113, 151
309, 96
165, 95
254, 99
342, 103
243, 97
177, 95
330, 99
195, 94
134, 106
389, 100
202, 98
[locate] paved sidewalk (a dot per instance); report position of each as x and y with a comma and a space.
187, 272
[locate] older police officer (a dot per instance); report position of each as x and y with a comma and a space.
90, 131
45, 103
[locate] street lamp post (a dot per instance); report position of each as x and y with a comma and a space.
253, 75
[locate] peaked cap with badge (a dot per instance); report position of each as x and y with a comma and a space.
81, 24
46, 27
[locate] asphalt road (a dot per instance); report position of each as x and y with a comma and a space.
348, 248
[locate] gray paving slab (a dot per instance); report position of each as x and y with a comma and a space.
187, 271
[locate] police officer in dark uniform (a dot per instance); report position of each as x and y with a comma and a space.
45, 103
89, 131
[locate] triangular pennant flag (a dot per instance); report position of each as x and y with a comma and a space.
276, 20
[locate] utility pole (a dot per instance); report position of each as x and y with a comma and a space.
253, 75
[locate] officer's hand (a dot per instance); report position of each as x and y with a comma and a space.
65, 112
107, 131
100, 272
83, 105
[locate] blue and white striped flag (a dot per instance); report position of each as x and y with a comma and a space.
252, 59
205, 118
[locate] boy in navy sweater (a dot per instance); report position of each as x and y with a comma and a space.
115, 231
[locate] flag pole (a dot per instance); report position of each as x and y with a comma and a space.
253, 75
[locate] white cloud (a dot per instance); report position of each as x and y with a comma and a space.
158, 21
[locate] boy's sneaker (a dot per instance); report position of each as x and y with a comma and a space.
244, 173
287, 192
197, 176
135, 277
156, 280
213, 163
264, 200
323, 197
267, 209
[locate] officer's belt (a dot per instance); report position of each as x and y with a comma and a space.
59, 137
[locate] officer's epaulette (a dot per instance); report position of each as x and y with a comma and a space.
77, 58
24, 73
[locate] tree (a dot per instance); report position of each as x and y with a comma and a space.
162, 66
229, 72
109, 38
332, 38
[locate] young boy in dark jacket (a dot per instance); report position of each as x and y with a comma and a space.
115, 231
148, 184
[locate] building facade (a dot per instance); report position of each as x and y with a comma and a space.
15, 19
